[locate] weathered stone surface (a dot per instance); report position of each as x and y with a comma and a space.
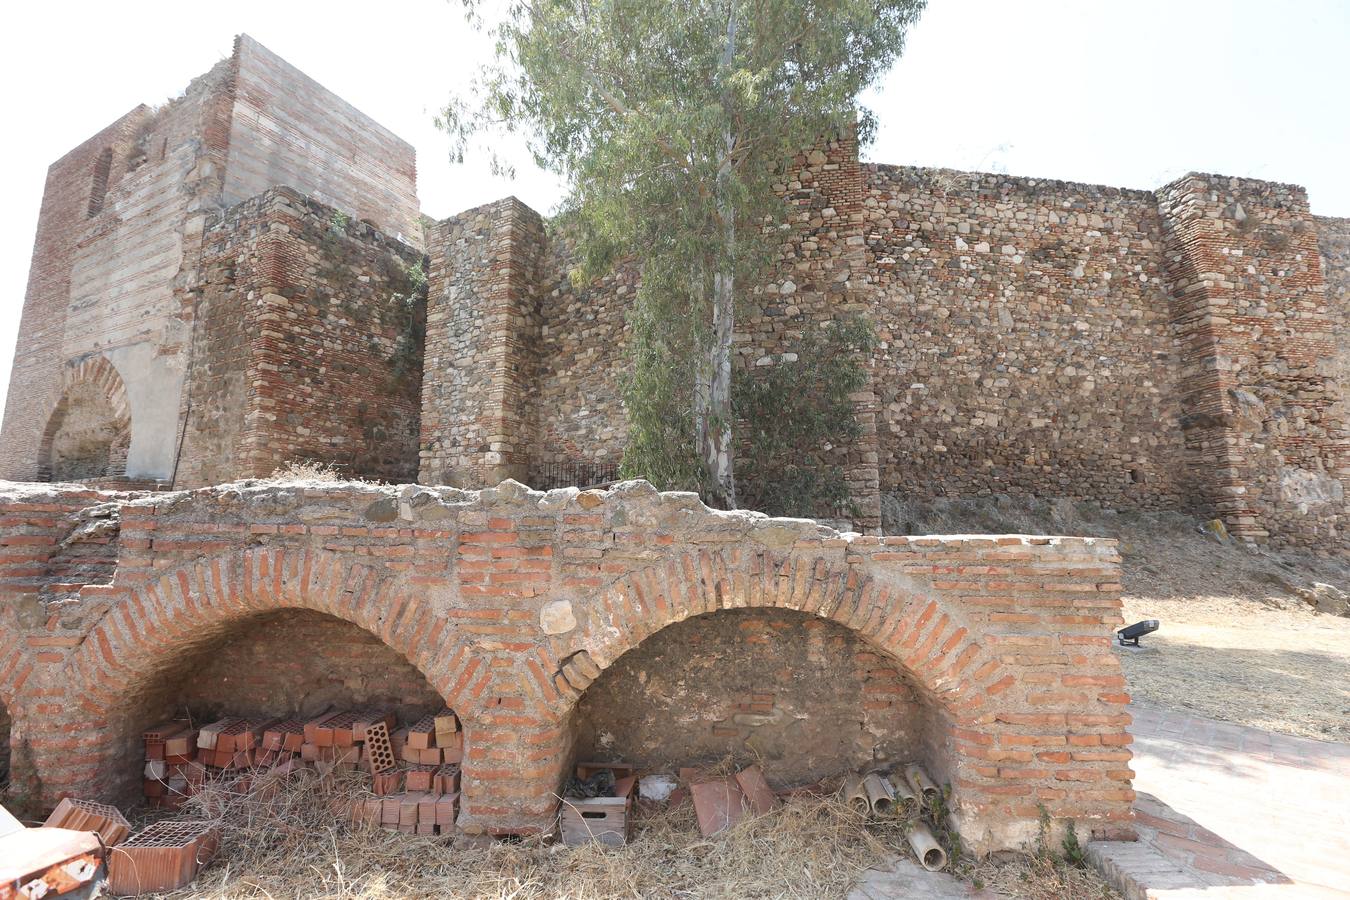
557, 617
119, 266
1181, 348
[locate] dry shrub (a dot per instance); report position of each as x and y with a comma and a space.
1040, 877
307, 470
290, 840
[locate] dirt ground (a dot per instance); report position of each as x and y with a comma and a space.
1236, 641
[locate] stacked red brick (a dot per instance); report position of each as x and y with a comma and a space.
171, 764
416, 782
420, 770
164, 857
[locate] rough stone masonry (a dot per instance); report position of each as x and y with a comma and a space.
222, 285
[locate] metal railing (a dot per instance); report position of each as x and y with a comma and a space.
573, 473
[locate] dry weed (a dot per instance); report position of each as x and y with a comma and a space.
290, 842
307, 470
1021, 877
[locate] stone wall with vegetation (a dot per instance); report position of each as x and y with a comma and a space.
1034, 337
1179, 349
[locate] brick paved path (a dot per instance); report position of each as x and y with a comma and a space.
1226, 810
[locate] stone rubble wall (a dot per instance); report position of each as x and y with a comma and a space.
511, 603
806, 695
1333, 243
1263, 413
568, 344
1036, 337
1145, 350
1027, 345
483, 341
309, 346
583, 358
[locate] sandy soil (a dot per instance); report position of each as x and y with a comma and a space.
1236, 642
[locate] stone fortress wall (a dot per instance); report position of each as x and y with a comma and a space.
1168, 350
129, 223
218, 288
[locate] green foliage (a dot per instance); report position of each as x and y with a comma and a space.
1074, 853
661, 426
796, 412
938, 813
1042, 850
338, 222
671, 121
409, 301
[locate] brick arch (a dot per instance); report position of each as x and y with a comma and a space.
911, 624
203, 599
101, 374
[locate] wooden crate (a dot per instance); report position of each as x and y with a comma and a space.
605, 819
608, 820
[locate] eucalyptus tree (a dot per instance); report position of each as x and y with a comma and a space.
670, 121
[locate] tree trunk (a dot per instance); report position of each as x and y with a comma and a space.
716, 443
718, 448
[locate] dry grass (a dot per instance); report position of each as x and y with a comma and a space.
285, 843
1238, 660
1040, 877
308, 470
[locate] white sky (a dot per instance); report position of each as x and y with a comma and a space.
1131, 93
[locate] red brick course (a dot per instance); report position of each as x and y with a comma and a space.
457, 582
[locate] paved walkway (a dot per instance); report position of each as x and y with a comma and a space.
904, 879
1226, 810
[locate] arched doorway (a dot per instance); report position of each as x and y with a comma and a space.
88, 434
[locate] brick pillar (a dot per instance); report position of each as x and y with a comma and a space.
827, 264
482, 331
514, 766
1267, 441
